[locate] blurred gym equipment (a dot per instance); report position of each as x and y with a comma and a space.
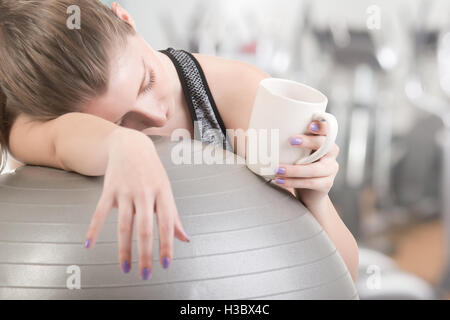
434, 45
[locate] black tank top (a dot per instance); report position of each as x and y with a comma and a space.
208, 125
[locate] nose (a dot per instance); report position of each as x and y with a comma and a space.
152, 117
158, 115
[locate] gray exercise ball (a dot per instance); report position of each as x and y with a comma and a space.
249, 239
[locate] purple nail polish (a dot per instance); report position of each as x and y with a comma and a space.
314, 127
280, 170
165, 262
125, 266
279, 181
87, 243
145, 274
296, 141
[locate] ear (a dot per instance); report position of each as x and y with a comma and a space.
122, 14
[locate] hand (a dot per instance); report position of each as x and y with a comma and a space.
137, 184
312, 181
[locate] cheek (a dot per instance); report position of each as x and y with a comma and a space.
163, 87
160, 98
149, 101
153, 105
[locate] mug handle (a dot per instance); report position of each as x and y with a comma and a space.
332, 129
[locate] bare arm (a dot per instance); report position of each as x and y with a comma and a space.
337, 231
236, 110
74, 142
135, 181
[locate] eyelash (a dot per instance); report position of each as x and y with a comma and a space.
146, 89
151, 83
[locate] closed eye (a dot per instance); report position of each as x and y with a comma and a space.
150, 84
144, 89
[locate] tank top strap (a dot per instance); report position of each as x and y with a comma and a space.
208, 124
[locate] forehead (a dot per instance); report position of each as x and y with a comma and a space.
126, 71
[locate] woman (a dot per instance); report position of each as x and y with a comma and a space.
85, 99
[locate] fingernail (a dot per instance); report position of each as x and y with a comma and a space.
280, 170
296, 141
187, 237
87, 243
126, 266
314, 127
279, 180
145, 274
166, 262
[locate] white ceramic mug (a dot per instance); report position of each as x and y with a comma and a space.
284, 108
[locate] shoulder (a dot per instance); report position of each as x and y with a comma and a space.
216, 64
233, 85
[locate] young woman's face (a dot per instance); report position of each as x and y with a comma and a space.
139, 94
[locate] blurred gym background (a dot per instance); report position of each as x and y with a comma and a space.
385, 66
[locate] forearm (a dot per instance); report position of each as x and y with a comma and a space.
82, 142
327, 216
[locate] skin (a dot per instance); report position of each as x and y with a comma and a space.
163, 109
136, 185
134, 101
158, 107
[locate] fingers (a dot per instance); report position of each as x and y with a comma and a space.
326, 166
168, 221
179, 230
334, 152
168, 205
140, 206
318, 128
102, 210
165, 211
309, 142
323, 168
125, 232
319, 184
144, 228
169, 224
313, 143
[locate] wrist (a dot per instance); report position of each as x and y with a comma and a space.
313, 202
122, 137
